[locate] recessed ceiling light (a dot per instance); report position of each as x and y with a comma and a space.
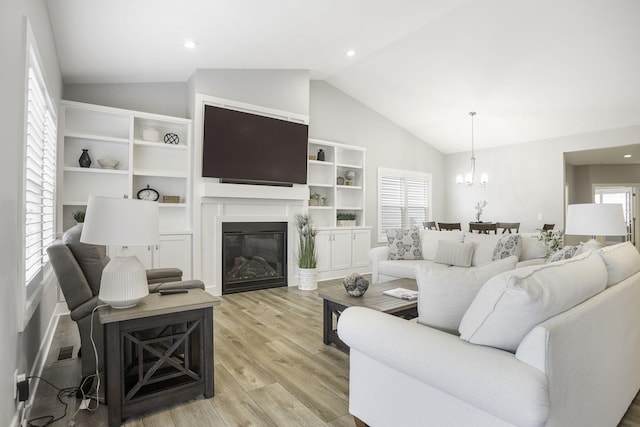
191, 44
626, 156
351, 52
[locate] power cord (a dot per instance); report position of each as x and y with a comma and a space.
62, 393
72, 391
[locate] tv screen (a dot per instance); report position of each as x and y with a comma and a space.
248, 148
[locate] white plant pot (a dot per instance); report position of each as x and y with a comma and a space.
307, 279
346, 223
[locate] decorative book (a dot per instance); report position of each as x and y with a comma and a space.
403, 293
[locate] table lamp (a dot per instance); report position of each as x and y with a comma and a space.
122, 223
595, 219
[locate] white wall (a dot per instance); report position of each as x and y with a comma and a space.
18, 350
524, 179
335, 116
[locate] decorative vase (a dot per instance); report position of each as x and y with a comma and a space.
321, 155
85, 159
355, 285
307, 279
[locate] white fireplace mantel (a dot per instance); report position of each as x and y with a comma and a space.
224, 190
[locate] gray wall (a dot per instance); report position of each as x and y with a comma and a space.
161, 98
18, 350
524, 179
286, 90
335, 116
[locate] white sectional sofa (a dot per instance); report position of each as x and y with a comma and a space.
549, 345
533, 252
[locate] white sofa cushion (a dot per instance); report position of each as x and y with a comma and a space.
532, 247
404, 268
429, 240
484, 245
510, 304
622, 260
454, 253
445, 294
404, 243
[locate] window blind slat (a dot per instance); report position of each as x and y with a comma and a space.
40, 175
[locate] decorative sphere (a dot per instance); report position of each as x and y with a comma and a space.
350, 175
355, 284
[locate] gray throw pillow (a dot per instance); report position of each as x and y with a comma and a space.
404, 243
510, 245
91, 258
564, 253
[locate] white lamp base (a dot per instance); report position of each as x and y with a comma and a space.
124, 281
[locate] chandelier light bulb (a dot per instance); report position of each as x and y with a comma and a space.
469, 177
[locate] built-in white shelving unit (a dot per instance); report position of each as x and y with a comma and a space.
341, 249
118, 134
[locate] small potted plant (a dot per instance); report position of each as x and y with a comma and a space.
314, 199
346, 219
307, 256
552, 239
78, 216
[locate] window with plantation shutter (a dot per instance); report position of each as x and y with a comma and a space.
40, 175
404, 199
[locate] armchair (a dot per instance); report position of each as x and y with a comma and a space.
78, 268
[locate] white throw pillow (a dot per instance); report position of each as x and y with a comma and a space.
454, 253
444, 294
429, 241
510, 304
622, 260
484, 244
532, 247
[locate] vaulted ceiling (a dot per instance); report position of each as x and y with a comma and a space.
531, 69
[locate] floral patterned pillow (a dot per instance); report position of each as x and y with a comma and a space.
404, 243
564, 253
509, 245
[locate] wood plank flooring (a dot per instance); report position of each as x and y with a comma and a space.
271, 369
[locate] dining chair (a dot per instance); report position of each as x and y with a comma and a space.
430, 225
483, 227
449, 226
510, 227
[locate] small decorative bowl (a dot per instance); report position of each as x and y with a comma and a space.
108, 163
355, 285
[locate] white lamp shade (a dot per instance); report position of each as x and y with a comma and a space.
120, 222
595, 219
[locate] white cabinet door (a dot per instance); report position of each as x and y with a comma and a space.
341, 249
174, 251
323, 249
361, 241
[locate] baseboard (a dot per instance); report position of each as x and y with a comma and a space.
38, 365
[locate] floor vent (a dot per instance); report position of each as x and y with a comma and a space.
65, 352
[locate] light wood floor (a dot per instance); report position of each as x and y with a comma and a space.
271, 369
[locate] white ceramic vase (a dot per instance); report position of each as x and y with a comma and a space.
307, 279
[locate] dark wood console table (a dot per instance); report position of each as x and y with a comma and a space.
158, 352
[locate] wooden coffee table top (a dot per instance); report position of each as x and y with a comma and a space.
374, 298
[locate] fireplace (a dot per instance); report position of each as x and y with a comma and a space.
254, 256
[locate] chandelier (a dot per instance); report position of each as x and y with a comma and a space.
470, 177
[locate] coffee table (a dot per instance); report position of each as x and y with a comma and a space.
336, 300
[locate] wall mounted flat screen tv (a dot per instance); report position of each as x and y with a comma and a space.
245, 148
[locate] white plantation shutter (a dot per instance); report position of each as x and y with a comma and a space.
40, 163
404, 199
